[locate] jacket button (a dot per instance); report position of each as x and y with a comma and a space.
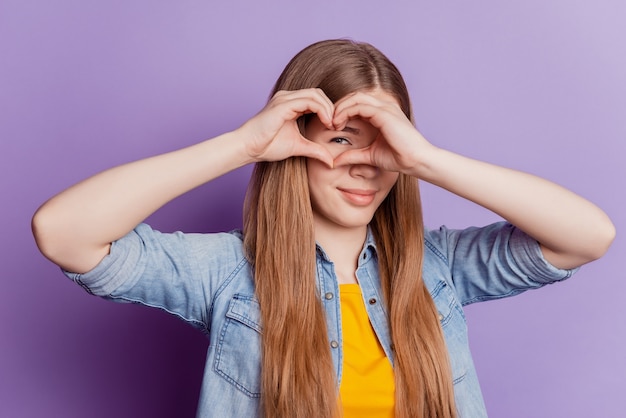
334, 344
328, 296
440, 317
372, 301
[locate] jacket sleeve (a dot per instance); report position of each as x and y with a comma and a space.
179, 273
492, 262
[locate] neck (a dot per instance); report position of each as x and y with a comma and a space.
343, 246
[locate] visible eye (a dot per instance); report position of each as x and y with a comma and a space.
341, 140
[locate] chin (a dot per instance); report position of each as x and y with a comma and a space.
355, 222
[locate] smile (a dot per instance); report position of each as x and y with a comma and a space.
358, 197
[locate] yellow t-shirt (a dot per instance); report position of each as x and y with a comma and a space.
367, 385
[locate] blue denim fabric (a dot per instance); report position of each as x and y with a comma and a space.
205, 280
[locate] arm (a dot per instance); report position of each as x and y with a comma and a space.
75, 228
570, 229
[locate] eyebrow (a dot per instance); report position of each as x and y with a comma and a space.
353, 131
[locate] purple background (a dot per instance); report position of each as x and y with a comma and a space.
538, 85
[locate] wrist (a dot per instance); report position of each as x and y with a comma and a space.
234, 148
427, 163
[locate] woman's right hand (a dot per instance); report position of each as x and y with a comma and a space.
74, 229
273, 134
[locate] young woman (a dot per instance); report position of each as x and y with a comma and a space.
334, 300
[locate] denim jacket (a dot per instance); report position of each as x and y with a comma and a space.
205, 280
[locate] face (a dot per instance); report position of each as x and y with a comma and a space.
347, 196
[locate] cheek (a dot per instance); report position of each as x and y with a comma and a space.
313, 169
389, 179
316, 173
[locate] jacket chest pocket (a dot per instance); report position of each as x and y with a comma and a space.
238, 349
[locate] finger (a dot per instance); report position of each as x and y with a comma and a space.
376, 97
368, 112
293, 108
306, 148
353, 157
325, 107
353, 98
357, 98
329, 105
376, 101
320, 96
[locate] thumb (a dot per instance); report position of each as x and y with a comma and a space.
310, 149
354, 157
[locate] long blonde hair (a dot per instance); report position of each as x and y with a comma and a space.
298, 377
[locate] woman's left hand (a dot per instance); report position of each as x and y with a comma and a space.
571, 230
398, 146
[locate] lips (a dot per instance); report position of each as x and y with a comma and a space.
359, 197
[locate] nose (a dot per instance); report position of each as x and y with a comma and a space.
364, 170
